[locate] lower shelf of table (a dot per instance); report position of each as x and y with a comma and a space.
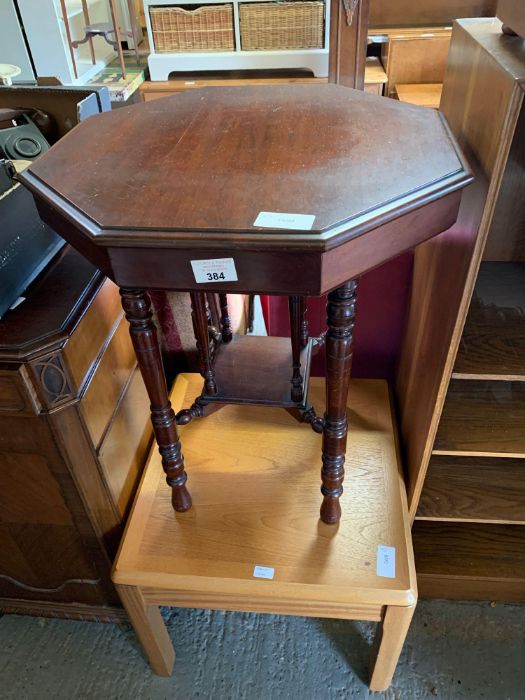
258, 370
254, 477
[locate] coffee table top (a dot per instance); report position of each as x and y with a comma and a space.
204, 164
254, 476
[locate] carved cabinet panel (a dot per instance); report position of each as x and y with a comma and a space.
67, 380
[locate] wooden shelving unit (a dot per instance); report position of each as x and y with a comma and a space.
162, 64
461, 384
470, 523
469, 534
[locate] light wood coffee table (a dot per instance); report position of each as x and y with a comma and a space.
254, 476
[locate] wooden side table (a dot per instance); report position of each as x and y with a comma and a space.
250, 545
270, 191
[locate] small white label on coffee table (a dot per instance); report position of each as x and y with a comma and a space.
263, 572
273, 219
386, 561
215, 270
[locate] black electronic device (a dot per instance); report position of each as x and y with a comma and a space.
31, 118
26, 244
20, 138
7, 175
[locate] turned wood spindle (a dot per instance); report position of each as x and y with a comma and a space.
137, 307
226, 326
340, 311
304, 323
200, 327
296, 316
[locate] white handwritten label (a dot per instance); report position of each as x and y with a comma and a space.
263, 572
273, 219
386, 561
216, 270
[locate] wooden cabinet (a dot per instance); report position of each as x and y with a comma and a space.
185, 42
414, 56
74, 435
462, 377
401, 13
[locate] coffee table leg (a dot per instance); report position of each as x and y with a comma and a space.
388, 643
150, 629
340, 311
304, 323
137, 306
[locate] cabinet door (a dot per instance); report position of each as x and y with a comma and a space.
48, 550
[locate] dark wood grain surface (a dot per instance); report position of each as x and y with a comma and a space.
493, 341
406, 13
512, 14
348, 44
483, 417
506, 239
37, 324
470, 550
488, 489
212, 159
244, 373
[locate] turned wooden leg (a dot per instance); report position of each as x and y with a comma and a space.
304, 323
226, 326
149, 628
340, 311
250, 315
388, 644
200, 326
137, 306
296, 317
116, 34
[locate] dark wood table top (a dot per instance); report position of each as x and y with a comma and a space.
148, 192
212, 159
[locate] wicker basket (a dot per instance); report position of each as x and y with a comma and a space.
205, 28
281, 25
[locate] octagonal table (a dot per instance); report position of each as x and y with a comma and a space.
291, 190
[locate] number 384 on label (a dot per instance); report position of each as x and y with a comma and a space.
215, 270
